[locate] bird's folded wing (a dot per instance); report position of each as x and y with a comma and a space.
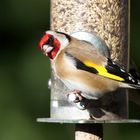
99, 65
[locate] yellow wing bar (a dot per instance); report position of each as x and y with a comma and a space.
103, 72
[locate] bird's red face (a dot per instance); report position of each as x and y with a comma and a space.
49, 45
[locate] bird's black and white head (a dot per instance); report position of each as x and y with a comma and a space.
53, 42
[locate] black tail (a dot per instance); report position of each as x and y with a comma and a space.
135, 79
131, 79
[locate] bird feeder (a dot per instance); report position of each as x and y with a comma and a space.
105, 21
95, 21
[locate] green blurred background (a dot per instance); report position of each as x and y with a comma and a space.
24, 73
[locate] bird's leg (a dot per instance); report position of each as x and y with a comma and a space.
75, 96
81, 102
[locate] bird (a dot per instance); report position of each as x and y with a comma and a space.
82, 68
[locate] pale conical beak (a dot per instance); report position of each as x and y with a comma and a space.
47, 49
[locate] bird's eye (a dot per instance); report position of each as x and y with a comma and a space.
50, 41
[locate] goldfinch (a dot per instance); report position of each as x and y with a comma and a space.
82, 68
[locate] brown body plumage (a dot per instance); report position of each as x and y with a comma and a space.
81, 66
91, 85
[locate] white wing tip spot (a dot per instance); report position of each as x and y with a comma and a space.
130, 78
122, 70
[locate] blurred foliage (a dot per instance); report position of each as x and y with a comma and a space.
24, 73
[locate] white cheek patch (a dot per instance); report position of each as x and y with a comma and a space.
64, 42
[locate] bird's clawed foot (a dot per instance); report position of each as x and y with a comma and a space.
76, 97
